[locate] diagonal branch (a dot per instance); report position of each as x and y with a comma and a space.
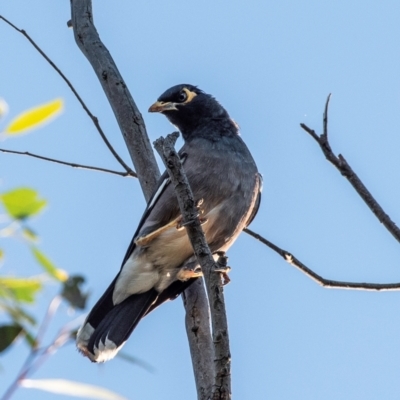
125, 110
213, 280
344, 168
66, 80
73, 165
328, 283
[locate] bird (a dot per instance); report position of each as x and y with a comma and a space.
225, 182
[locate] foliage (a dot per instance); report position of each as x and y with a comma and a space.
20, 206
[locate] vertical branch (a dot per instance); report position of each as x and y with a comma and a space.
213, 279
197, 323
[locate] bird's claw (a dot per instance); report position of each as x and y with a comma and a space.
222, 267
189, 271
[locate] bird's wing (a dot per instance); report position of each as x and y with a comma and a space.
163, 197
258, 201
163, 182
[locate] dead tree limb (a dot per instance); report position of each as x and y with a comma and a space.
70, 164
328, 283
213, 279
126, 113
344, 168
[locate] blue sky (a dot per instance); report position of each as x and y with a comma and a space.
272, 67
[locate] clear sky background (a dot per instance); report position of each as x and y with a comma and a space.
272, 65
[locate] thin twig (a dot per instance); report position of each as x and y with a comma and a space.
66, 80
37, 354
292, 260
213, 280
74, 165
51, 310
344, 168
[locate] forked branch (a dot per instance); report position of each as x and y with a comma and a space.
344, 168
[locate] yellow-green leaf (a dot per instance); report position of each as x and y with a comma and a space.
15, 312
34, 117
48, 266
22, 202
20, 289
29, 234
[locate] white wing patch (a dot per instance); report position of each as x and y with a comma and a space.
157, 194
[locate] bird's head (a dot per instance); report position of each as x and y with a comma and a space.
190, 109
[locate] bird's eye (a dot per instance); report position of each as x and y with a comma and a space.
182, 96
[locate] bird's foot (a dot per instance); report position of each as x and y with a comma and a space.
189, 271
222, 267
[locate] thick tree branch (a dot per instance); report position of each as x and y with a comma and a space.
70, 164
213, 280
66, 80
133, 130
344, 168
292, 260
127, 114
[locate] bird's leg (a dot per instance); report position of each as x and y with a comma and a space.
222, 267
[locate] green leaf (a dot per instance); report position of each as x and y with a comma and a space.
73, 293
30, 339
16, 313
48, 266
34, 117
70, 388
30, 234
22, 202
9, 333
20, 289
1, 255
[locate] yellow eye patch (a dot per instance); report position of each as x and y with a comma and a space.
190, 95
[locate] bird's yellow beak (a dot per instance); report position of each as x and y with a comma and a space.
160, 106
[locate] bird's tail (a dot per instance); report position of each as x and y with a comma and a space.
108, 326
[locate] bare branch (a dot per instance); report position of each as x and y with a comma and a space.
213, 280
66, 80
127, 114
197, 321
292, 260
344, 168
74, 165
